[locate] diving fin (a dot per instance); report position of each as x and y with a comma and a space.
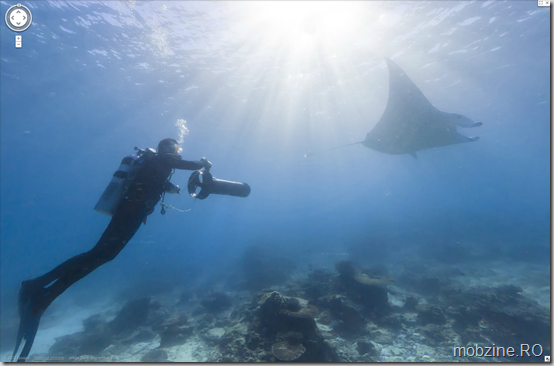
18, 340
28, 327
29, 315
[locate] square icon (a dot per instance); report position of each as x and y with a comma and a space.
17, 44
18, 38
546, 358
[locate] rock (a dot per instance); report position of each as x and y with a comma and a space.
111, 351
209, 317
319, 350
346, 269
93, 323
141, 334
464, 317
157, 316
291, 329
174, 335
348, 312
517, 324
197, 311
410, 304
324, 317
202, 325
426, 285
430, 315
433, 334
381, 336
233, 345
253, 340
156, 355
501, 314
284, 351
309, 311
318, 285
93, 340
364, 346
271, 303
139, 347
131, 316
291, 337
92, 344
293, 304
216, 302
80, 344
174, 320
300, 321
234, 332
215, 334
390, 322
368, 291
396, 301
509, 290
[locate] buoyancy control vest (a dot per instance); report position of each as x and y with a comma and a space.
118, 187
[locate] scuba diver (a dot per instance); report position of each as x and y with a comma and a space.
134, 191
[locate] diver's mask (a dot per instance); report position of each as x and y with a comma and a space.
169, 146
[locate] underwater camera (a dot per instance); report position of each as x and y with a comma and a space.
210, 185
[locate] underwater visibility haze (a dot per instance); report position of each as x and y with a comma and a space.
406, 244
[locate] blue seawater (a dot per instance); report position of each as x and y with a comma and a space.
261, 84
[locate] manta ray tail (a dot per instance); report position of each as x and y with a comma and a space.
333, 148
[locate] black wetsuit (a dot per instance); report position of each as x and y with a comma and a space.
144, 193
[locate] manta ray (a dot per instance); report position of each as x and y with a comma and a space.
410, 123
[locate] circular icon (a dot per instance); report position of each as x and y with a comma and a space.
18, 18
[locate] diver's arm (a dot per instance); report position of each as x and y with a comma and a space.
188, 165
177, 163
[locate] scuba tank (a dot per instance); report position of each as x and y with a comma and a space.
209, 185
121, 181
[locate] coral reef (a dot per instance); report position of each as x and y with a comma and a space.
216, 302
156, 355
359, 315
287, 351
133, 315
368, 291
290, 324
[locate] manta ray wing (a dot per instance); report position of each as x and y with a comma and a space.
410, 123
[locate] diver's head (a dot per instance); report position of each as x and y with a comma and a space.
169, 146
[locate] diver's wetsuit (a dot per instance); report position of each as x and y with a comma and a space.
144, 193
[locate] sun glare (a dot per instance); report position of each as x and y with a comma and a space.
293, 48
298, 25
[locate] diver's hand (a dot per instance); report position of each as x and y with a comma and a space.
207, 164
